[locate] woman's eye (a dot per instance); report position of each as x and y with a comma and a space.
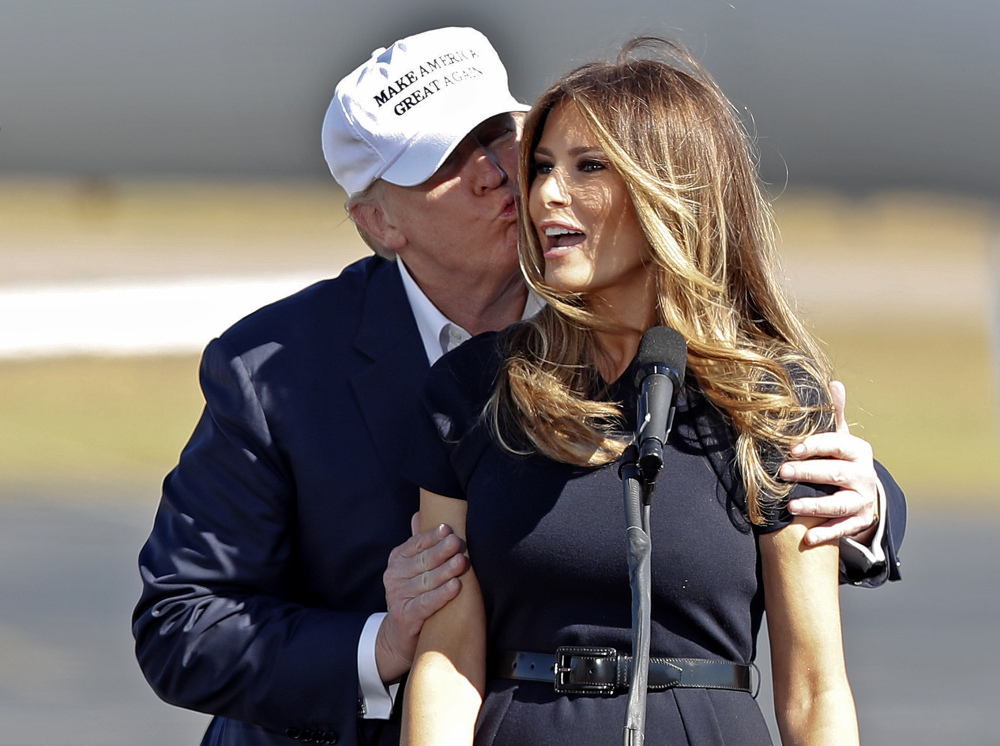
591, 166
542, 169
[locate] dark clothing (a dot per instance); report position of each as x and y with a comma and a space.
268, 548
267, 553
547, 541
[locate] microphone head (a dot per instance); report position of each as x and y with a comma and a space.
661, 347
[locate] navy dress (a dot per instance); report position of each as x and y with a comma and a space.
547, 541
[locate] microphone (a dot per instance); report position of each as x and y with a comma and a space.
660, 364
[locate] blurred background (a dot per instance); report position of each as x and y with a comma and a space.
161, 176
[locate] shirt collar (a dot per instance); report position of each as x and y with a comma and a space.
439, 333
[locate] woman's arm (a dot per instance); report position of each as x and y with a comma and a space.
445, 689
812, 698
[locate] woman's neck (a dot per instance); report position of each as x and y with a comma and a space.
615, 352
632, 312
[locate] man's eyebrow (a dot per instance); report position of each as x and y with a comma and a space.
497, 125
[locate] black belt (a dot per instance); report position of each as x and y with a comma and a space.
581, 670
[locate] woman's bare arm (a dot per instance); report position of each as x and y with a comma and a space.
445, 689
812, 697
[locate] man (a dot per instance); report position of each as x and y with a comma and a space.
263, 599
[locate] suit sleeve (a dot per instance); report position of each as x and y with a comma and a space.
215, 629
895, 519
864, 574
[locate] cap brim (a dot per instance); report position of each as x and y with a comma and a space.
421, 159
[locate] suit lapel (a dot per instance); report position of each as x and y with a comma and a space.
387, 388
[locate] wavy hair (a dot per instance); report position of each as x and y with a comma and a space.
690, 170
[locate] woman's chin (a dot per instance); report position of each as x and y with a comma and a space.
561, 284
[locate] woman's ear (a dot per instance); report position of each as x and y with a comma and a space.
371, 217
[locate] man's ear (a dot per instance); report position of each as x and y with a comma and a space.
371, 217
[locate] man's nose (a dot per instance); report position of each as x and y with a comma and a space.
490, 170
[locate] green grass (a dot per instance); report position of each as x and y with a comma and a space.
92, 423
927, 402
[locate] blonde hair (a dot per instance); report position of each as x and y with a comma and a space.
689, 169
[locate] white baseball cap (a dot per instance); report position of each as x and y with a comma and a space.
400, 114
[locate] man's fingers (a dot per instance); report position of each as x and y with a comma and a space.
833, 530
415, 524
848, 512
408, 577
434, 556
834, 445
421, 608
429, 592
826, 471
843, 504
421, 542
855, 476
402, 567
441, 574
421, 577
839, 395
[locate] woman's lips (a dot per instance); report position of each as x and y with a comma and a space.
560, 239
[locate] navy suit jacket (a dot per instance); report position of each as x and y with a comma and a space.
272, 534
268, 548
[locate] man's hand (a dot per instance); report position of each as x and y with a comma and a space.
842, 460
422, 576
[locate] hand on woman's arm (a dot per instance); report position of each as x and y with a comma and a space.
812, 697
445, 688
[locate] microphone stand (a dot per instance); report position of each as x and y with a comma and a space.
660, 364
638, 494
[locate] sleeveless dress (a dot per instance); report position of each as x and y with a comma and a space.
547, 541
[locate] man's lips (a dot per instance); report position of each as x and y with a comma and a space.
509, 209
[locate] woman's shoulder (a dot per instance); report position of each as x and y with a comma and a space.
472, 365
461, 383
806, 383
484, 349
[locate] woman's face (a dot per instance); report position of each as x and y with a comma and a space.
587, 226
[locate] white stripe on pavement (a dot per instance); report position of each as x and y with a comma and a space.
178, 316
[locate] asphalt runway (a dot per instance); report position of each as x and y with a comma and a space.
923, 655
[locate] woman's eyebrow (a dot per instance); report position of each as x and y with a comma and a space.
578, 150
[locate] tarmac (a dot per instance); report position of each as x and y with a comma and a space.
922, 654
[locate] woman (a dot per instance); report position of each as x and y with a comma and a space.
642, 208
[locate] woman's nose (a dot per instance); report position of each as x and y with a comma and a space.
552, 189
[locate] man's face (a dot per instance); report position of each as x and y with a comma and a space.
461, 223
